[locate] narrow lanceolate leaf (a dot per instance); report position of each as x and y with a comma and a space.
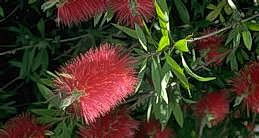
247, 38
141, 74
189, 71
182, 45
1, 12
178, 114
156, 77
182, 11
132, 33
149, 110
178, 71
48, 4
141, 37
164, 83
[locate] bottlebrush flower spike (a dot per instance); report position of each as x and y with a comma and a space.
215, 104
210, 42
22, 126
152, 129
103, 77
117, 124
246, 84
129, 12
75, 11
211, 45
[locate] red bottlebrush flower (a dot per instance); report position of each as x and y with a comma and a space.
22, 126
215, 57
129, 12
210, 42
211, 45
104, 77
75, 11
215, 104
247, 84
117, 124
153, 129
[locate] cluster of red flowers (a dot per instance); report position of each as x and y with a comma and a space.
214, 104
117, 124
76, 11
246, 84
212, 45
152, 129
127, 12
22, 126
103, 76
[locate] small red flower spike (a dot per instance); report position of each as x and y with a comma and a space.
117, 124
129, 12
104, 77
214, 104
75, 11
212, 45
152, 129
22, 126
246, 84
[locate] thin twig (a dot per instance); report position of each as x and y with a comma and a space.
203, 124
13, 51
251, 133
10, 14
221, 30
10, 83
210, 34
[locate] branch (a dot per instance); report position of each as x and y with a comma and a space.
13, 51
221, 30
10, 83
10, 14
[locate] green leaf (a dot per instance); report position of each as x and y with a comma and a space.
1, 11
97, 19
178, 114
141, 74
182, 11
45, 91
182, 45
46, 112
41, 27
247, 39
164, 83
162, 12
164, 42
141, 37
162, 110
37, 61
189, 71
178, 71
211, 6
253, 26
213, 15
49, 4
31, 1
132, 33
149, 110
156, 77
